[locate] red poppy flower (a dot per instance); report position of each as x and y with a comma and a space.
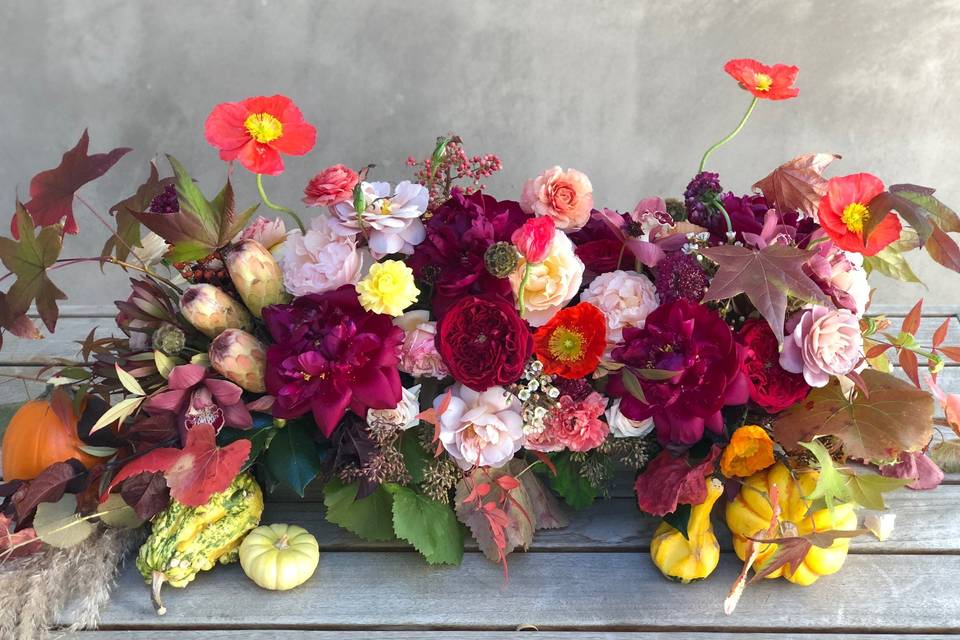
257, 130
571, 344
767, 83
844, 209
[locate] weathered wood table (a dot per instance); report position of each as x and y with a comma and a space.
593, 579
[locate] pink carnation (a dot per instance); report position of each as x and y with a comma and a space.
824, 343
565, 196
577, 425
331, 186
418, 354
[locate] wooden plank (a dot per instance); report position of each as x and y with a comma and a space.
528, 634
591, 591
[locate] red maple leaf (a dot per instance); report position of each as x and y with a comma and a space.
52, 191
195, 472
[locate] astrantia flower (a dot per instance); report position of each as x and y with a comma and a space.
823, 343
767, 83
388, 288
480, 429
680, 276
257, 130
331, 186
844, 210
565, 196
696, 343
750, 450
571, 343
329, 354
771, 386
319, 260
390, 220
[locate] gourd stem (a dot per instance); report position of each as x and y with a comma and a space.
158, 580
282, 543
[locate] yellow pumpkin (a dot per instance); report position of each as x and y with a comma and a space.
696, 556
279, 557
750, 513
37, 438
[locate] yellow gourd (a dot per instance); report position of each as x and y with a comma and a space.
279, 556
696, 556
750, 513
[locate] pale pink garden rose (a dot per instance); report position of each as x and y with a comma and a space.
824, 343
623, 427
390, 220
551, 283
841, 276
331, 186
480, 429
320, 260
565, 196
626, 298
418, 353
270, 233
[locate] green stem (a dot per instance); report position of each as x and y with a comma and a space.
523, 286
717, 145
277, 207
726, 216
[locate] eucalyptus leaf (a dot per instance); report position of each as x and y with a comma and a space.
58, 524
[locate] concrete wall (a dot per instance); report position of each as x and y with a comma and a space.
628, 92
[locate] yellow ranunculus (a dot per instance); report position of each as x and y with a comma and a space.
388, 288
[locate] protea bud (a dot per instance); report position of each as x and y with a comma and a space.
240, 358
169, 339
148, 307
212, 311
256, 275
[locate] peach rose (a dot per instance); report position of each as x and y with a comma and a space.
565, 196
552, 283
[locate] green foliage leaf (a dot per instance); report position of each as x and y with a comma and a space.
414, 455
128, 227
680, 518
867, 489
118, 413
836, 486
292, 457
890, 263
568, 482
371, 517
831, 484
632, 384
259, 436
430, 526
58, 524
115, 512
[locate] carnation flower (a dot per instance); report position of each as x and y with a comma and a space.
388, 288
550, 284
390, 220
626, 298
623, 427
823, 343
400, 418
845, 208
771, 386
571, 343
480, 429
319, 260
750, 450
331, 186
459, 233
418, 354
484, 342
329, 354
696, 343
680, 276
577, 425
841, 276
565, 196
272, 234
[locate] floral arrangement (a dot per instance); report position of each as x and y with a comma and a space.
433, 356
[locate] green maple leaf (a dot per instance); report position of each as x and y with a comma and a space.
835, 485
28, 259
831, 484
430, 526
767, 276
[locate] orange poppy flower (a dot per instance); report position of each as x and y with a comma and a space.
766, 83
844, 209
750, 450
571, 343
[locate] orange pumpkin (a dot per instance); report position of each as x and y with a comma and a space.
37, 438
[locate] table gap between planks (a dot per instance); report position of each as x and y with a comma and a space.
591, 580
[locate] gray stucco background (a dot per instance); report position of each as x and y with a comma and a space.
628, 92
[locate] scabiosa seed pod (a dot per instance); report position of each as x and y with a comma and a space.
256, 275
500, 259
169, 339
212, 311
240, 358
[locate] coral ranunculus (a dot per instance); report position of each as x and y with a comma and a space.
533, 239
257, 130
484, 342
331, 186
571, 344
766, 83
845, 208
750, 450
565, 196
771, 386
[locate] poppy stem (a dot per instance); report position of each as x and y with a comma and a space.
277, 207
717, 145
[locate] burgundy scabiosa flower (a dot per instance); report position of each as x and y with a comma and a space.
697, 344
451, 258
700, 193
680, 276
330, 355
166, 201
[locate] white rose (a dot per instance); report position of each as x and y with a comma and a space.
626, 298
403, 416
623, 427
480, 429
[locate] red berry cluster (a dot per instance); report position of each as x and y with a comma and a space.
210, 270
454, 165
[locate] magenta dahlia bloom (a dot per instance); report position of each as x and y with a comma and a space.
458, 235
331, 355
694, 341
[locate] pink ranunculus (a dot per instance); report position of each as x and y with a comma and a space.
331, 186
823, 343
319, 260
418, 354
565, 196
533, 239
841, 276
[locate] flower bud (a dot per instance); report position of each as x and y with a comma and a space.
533, 239
240, 358
169, 339
256, 275
212, 311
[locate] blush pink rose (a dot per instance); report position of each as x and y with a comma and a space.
565, 196
418, 354
331, 186
319, 260
824, 343
626, 298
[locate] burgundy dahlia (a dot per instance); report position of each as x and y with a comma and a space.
680, 276
770, 385
451, 258
697, 344
331, 355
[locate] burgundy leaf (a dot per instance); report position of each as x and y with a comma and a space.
917, 466
147, 493
798, 184
54, 481
670, 480
943, 249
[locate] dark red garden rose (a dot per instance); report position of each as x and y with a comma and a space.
329, 354
770, 385
484, 342
697, 344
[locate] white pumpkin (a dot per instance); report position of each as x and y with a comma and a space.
279, 556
